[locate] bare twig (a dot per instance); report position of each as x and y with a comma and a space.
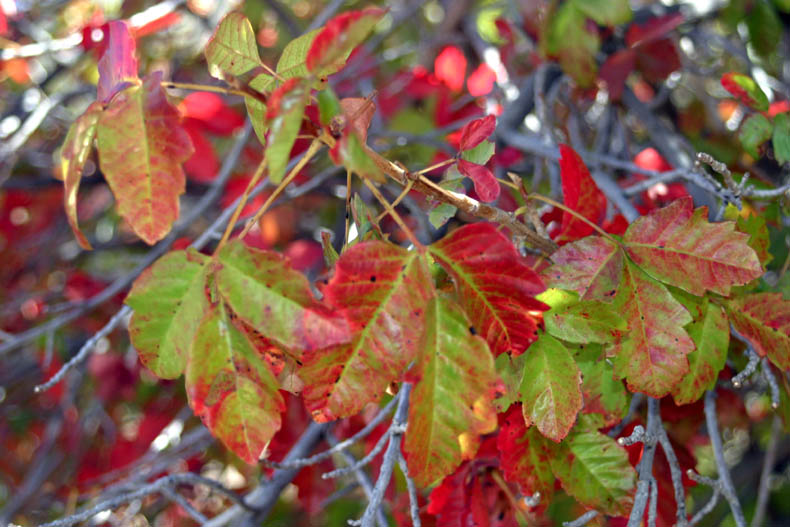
582, 520
645, 468
377, 448
764, 491
676, 475
414, 505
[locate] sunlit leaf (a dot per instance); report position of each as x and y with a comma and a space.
384, 291
141, 146
764, 319
495, 287
595, 470
551, 388
453, 396
232, 49
581, 194
73, 154
651, 355
678, 245
169, 301
592, 266
585, 321
231, 388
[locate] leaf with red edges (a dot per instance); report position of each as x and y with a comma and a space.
264, 290
141, 146
710, 332
231, 388
384, 291
680, 247
746, 90
475, 132
550, 388
652, 354
486, 185
592, 266
340, 36
284, 113
118, 65
581, 194
525, 455
495, 286
454, 394
73, 154
764, 319
595, 470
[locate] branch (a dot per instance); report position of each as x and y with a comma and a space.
721, 465
414, 505
676, 475
646, 463
764, 492
582, 520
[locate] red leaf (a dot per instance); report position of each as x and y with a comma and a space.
580, 194
340, 36
486, 185
118, 65
450, 67
496, 287
746, 90
657, 59
481, 81
203, 166
653, 29
524, 455
212, 112
616, 70
475, 132
764, 319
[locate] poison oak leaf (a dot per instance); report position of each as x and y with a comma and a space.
231, 388
603, 394
746, 90
73, 154
651, 355
495, 286
340, 36
486, 185
450, 67
232, 50
581, 194
592, 266
169, 301
384, 291
453, 395
118, 64
264, 290
550, 388
678, 246
475, 132
481, 81
284, 114
525, 455
585, 321
764, 319
141, 146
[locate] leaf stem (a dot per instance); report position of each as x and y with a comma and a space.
502, 484
243, 201
202, 87
314, 147
574, 214
391, 210
440, 164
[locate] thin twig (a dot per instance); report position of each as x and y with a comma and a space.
646, 463
377, 448
582, 520
414, 505
764, 491
677, 477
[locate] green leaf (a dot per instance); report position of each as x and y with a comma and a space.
169, 301
680, 247
328, 105
765, 27
479, 154
453, 396
593, 469
231, 388
585, 321
353, 155
285, 111
755, 130
73, 154
592, 267
781, 138
510, 370
759, 237
525, 456
568, 38
710, 332
764, 319
451, 180
232, 49
603, 394
652, 353
605, 12
257, 112
551, 388
141, 146
264, 290
384, 291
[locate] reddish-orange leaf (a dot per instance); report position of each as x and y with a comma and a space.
495, 287
384, 291
592, 267
141, 147
73, 155
340, 36
651, 355
486, 185
450, 67
764, 319
581, 194
118, 65
678, 245
475, 132
525, 455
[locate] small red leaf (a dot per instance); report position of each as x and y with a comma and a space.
746, 90
450, 67
340, 36
481, 81
616, 70
581, 194
652, 30
486, 185
475, 132
118, 65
